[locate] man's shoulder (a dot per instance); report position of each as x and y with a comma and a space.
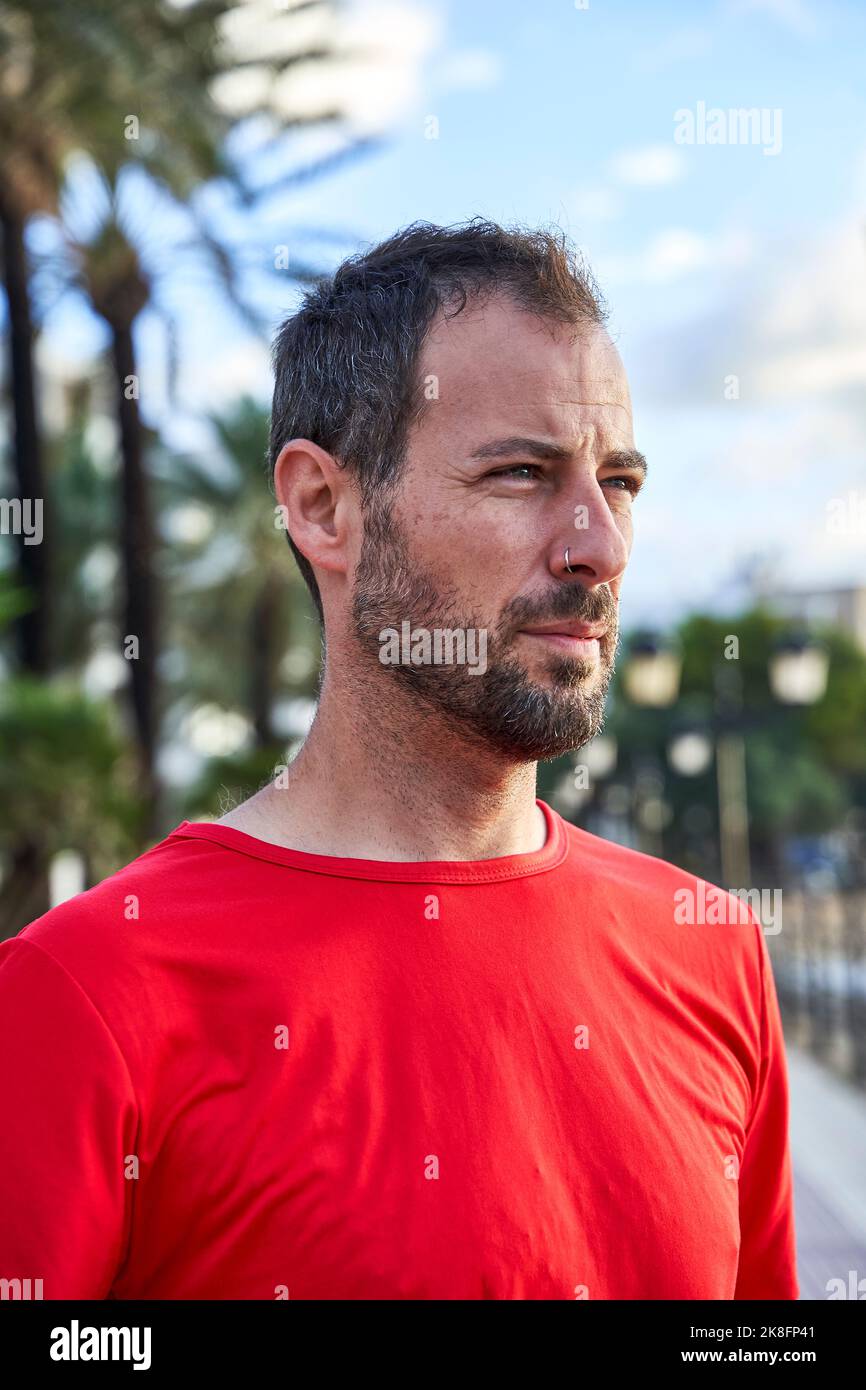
691, 931
632, 868
680, 894
160, 885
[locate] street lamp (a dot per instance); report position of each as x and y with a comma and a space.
652, 671
651, 677
690, 753
600, 756
798, 670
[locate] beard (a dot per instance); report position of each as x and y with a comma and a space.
501, 708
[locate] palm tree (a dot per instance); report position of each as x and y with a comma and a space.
67, 782
119, 289
240, 613
120, 267
65, 82
85, 558
28, 185
79, 74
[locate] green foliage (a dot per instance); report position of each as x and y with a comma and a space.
791, 791
836, 726
237, 605
66, 778
14, 599
227, 781
804, 765
86, 531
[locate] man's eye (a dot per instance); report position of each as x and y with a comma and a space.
630, 485
515, 468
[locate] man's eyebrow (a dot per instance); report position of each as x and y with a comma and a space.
559, 453
521, 444
626, 458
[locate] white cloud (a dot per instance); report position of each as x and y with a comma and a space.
780, 445
818, 372
793, 329
595, 205
469, 69
388, 43
811, 326
675, 253
653, 166
242, 369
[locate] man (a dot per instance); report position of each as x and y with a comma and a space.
392, 1029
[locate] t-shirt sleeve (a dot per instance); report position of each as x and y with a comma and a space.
768, 1262
68, 1119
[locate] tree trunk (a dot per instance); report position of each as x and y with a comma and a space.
32, 626
25, 893
137, 542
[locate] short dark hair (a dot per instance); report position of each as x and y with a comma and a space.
345, 364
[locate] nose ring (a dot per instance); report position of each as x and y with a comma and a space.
567, 565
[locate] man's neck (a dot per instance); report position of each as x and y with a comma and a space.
379, 777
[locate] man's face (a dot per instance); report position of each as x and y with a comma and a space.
527, 449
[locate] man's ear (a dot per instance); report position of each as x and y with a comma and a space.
312, 491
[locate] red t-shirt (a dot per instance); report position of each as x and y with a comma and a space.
233, 1070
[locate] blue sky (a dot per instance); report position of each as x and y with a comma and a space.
718, 261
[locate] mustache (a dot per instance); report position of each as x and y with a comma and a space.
571, 602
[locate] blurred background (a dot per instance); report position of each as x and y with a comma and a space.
173, 173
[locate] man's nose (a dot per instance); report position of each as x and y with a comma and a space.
594, 548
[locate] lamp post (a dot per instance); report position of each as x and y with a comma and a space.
797, 670
651, 678
734, 848
690, 753
652, 671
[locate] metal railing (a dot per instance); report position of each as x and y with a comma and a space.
819, 965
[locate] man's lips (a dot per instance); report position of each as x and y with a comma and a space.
581, 639
567, 629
